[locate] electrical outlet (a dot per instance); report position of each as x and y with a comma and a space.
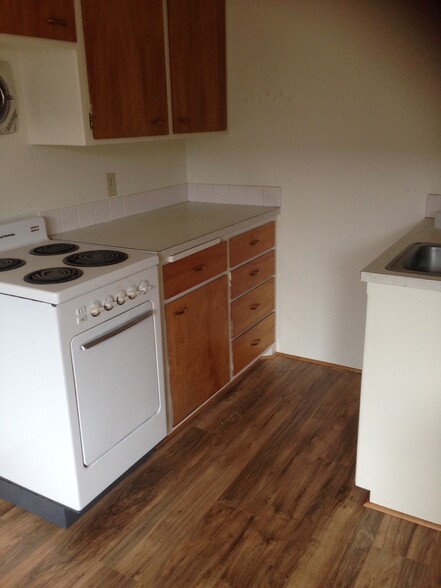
111, 184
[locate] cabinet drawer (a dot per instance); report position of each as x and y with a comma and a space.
251, 243
252, 274
252, 343
251, 307
190, 271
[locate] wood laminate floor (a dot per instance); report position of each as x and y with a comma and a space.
256, 491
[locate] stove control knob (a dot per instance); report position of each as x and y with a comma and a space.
132, 291
121, 297
96, 308
144, 287
109, 302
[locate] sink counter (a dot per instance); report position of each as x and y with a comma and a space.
173, 229
376, 271
399, 437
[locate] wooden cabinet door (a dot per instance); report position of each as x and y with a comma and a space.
198, 346
197, 65
50, 19
124, 41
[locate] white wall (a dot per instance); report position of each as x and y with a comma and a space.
338, 103
34, 178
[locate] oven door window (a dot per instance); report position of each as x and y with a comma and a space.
116, 380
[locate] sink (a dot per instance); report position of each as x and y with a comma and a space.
422, 258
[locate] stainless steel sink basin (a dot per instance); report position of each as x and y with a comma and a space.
421, 258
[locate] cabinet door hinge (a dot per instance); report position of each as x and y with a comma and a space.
91, 120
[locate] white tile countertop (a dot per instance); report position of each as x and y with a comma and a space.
173, 229
376, 272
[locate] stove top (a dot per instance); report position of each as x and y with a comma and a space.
32, 266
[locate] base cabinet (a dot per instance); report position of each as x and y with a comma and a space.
399, 439
219, 318
252, 258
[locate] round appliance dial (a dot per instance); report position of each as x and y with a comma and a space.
96, 308
132, 291
109, 302
144, 287
121, 297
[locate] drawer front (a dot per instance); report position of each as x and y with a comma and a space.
190, 271
252, 343
252, 274
252, 243
252, 307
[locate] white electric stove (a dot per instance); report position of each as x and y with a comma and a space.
81, 369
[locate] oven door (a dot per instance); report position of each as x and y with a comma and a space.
116, 379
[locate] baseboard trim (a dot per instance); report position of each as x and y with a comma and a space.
318, 362
401, 515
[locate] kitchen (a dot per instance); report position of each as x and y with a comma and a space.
337, 106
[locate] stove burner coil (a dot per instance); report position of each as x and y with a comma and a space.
10, 263
53, 275
96, 258
54, 249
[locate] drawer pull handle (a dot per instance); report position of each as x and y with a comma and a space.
255, 342
255, 306
254, 272
59, 22
181, 311
254, 242
184, 120
157, 121
199, 268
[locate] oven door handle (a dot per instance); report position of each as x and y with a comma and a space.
117, 331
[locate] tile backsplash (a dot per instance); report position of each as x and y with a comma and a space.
93, 213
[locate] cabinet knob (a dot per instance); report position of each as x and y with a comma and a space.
184, 120
199, 268
255, 342
181, 311
157, 121
255, 306
254, 272
254, 241
59, 22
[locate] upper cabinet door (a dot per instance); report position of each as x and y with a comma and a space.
124, 42
50, 19
197, 65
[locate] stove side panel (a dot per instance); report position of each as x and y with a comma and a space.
39, 445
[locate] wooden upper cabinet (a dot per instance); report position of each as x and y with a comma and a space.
125, 54
197, 65
49, 19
